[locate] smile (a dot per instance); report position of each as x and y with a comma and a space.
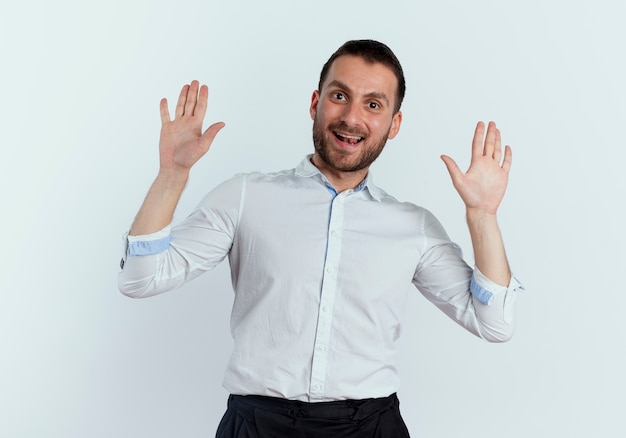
349, 139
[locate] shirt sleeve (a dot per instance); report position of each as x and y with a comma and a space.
167, 259
497, 314
145, 244
149, 244
464, 294
485, 290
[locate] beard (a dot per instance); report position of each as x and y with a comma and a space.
343, 160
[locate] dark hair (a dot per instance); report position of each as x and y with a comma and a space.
372, 52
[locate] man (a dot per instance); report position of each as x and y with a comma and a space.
321, 258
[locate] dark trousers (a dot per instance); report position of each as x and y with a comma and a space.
267, 417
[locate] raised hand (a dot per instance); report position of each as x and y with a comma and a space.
482, 187
181, 145
182, 141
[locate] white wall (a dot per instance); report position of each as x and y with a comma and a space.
80, 86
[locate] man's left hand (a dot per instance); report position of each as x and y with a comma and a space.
482, 187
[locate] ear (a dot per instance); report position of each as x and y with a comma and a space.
314, 101
396, 121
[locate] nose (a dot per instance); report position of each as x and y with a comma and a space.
352, 114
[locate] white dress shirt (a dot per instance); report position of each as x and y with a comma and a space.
320, 279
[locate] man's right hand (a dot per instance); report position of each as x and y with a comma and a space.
182, 142
181, 145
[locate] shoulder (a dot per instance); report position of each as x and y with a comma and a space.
407, 211
265, 177
239, 180
389, 201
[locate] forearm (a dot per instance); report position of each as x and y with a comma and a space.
158, 207
489, 254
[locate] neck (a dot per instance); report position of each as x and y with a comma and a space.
340, 180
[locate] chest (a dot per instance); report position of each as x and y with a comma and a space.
313, 232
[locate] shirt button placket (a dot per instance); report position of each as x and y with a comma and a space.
327, 300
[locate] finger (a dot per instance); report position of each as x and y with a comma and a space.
201, 106
490, 140
508, 159
477, 142
497, 151
182, 99
453, 169
165, 112
192, 98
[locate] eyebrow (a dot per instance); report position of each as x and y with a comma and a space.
373, 94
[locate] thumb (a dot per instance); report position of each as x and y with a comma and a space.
453, 169
209, 135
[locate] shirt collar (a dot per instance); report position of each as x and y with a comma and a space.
307, 169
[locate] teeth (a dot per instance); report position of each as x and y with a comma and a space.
351, 137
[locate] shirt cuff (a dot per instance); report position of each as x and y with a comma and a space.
485, 290
149, 244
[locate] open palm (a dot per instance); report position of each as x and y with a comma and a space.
182, 141
483, 186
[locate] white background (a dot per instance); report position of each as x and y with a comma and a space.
80, 86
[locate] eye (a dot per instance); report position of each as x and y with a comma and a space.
338, 96
373, 105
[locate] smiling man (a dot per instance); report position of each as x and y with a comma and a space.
322, 259
355, 112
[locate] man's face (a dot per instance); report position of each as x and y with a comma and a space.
353, 114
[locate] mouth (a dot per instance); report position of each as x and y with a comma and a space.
348, 139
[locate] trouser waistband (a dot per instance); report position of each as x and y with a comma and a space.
348, 409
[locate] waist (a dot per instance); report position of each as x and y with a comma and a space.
348, 409
329, 375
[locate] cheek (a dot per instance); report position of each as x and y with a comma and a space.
379, 127
323, 115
